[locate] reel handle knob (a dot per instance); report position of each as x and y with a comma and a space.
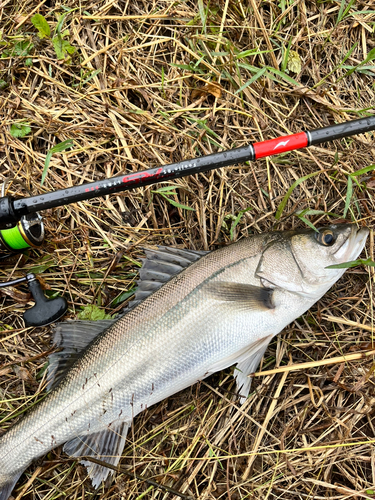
45, 311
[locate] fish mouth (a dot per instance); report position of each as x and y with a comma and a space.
353, 245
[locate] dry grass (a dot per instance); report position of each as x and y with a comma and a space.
128, 104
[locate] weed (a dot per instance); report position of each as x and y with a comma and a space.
62, 146
20, 130
59, 38
349, 190
167, 191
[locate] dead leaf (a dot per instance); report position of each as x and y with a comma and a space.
44, 284
294, 62
17, 295
18, 18
22, 372
209, 89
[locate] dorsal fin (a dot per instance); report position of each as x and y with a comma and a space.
71, 337
159, 266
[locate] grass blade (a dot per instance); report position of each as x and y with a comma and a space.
176, 204
363, 171
349, 194
307, 222
62, 146
290, 191
353, 263
252, 79
237, 220
370, 57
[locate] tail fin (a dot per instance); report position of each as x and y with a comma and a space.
7, 483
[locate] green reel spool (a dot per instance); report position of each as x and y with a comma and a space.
29, 232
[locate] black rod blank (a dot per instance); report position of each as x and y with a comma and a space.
12, 210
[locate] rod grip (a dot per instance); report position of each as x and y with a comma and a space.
341, 130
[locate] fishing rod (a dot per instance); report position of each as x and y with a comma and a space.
12, 210
21, 225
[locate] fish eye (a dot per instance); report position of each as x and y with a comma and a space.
326, 238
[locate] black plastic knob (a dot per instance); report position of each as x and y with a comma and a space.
45, 311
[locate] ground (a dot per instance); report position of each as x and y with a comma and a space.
134, 85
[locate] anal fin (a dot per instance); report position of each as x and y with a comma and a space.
106, 445
6, 487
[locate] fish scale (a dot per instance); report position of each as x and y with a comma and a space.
222, 309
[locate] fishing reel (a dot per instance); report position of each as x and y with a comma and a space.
29, 232
26, 231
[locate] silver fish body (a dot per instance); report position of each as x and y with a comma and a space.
221, 310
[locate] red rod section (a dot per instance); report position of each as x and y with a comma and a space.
280, 145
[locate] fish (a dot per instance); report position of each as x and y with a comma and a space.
194, 313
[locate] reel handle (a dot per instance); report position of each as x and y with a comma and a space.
44, 311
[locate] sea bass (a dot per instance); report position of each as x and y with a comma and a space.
193, 314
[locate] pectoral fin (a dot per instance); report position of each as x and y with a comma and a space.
251, 296
249, 365
247, 360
